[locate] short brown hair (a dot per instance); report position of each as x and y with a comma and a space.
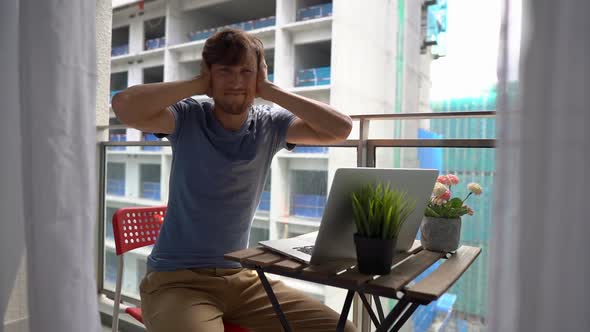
230, 46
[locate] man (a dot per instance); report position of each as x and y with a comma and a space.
221, 157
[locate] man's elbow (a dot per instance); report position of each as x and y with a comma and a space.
344, 130
119, 103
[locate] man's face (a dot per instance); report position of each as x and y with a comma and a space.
234, 87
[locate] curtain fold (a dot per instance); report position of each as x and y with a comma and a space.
539, 269
51, 186
12, 242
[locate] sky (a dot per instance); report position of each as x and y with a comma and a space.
472, 49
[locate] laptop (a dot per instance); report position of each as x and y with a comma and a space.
334, 240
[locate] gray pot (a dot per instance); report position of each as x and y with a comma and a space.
440, 234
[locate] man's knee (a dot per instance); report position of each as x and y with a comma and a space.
194, 319
167, 325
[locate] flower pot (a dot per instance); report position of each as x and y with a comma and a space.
374, 256
440, 234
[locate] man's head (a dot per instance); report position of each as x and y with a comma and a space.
233, 58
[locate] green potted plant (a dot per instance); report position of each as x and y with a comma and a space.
379, 214
441, 226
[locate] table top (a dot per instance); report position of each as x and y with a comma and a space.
343, 273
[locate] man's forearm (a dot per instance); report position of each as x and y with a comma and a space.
144, 101
322, 118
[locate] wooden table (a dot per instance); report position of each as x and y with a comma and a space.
343, 274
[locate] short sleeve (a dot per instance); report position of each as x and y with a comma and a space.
281, 120
180, 112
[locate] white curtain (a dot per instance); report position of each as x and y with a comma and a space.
47, 160
540, 270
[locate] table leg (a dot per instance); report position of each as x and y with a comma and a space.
345, 310
398, 325
379, 307
273, 300
370, 310
393, 315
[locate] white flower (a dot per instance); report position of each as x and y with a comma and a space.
438, 201
474, 188
439, 189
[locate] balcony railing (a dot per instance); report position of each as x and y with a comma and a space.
151, 138
155, 43
119, 50
264, 204
150, 190
118, 138
312, 12
310, 149
116, 187
470, 158
313, 76
259, 23
308, 206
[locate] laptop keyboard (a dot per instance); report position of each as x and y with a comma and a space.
306, 249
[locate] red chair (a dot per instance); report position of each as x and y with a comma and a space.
134, 228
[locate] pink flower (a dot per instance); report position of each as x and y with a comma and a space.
469, 210
446, 195
443, 179
453, 179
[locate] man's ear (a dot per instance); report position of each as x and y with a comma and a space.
205, 66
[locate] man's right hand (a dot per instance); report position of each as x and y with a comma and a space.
145, 106
203, 81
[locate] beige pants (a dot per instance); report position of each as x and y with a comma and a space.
201, 299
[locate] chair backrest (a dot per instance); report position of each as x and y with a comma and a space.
136, 227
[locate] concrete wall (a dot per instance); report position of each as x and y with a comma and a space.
103, 21
416, 89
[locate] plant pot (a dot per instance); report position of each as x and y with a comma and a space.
440, 234
374, 256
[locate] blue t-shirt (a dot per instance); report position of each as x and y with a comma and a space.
216, 180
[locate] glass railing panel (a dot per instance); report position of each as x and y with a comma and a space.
464, 306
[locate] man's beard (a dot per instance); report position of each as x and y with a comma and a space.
234, 108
